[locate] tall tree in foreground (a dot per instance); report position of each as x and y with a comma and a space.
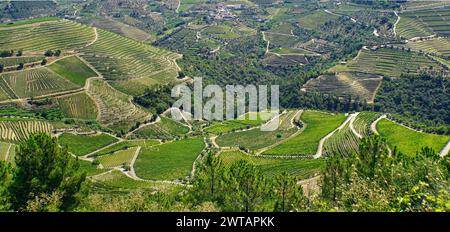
44, 173
288, 194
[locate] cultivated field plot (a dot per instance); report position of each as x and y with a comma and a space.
120, 58
243, 122
439, 46
116, 182
164, 129
256, 139
300, 168
346, 83
118, 159
84, 144
276, 60
126, 144
318, 125
316, 19
115, 108
281, 40
73, 69
121, 29
363, 121
223, 32
78, 105
389, 62
436, 20
410, 28
316, 45
342, 142
409, 141
169, 161
15, 130
15, 61
52, 35
35, 82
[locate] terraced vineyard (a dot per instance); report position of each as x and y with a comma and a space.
170, 161
318, 125
389, 62
342, 142
346, 83
120, 158
78, 105
15, 61
17, 130
84, 144
300, 168
408, 141
115, 108
35, 82
363, 121
256, 139
164, 129
120, 58
439, 46
410, 28
52, 35
436, 20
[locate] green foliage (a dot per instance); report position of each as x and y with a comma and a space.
375, 180
421, 101
43, 168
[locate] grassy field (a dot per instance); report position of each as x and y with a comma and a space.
115, 108
120, 158
126, 144
15, 130
73, 69
116, 181
346, 83
408, 141
89, 168
4, 147
301, 168
164, 129
52, 35
318, 125
170, 161
79, 105
85, 144
256, 139
35, 82
388, 62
